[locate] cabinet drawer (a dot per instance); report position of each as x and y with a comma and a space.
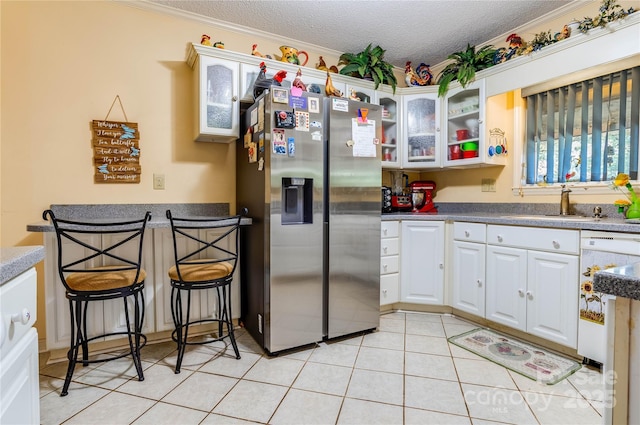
471, 232
389, 247
389, 265
542, 239
390, 229
17, 297
389, 289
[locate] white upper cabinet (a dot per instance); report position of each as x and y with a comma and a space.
421, 137
216, 95
391, 128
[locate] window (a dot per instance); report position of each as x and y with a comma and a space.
584, 132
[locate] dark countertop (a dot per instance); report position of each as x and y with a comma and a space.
623, 281
115, 212
527, 214
606, 224
15, 260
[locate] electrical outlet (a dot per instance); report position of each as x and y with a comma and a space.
158, 181
488, 185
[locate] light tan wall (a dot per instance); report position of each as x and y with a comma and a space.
465, 185
62, 64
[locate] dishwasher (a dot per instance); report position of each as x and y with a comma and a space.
599, 251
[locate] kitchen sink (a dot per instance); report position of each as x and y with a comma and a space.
553, 217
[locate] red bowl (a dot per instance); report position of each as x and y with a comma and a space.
462, 134
469, 154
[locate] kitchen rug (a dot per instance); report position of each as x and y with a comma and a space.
533, 362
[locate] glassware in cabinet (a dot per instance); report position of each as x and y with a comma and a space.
422, 138
464, 131
390, 129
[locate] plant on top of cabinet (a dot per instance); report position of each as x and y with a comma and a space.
610, 11
464, 67
369, 64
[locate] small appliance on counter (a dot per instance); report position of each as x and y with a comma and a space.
423, 203
386, 200
400, 200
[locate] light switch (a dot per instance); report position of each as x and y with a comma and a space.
158, 181
488, 185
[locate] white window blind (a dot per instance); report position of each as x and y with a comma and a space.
584, 132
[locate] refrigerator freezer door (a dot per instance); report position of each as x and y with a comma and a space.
293, 299
352, 298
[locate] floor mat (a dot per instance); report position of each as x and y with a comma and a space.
531, 361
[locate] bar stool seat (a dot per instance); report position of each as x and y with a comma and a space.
98, 262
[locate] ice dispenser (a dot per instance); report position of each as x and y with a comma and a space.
297, 200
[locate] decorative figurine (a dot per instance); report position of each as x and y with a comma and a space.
424, 72
255, 52
206, 40
329, 89
412, 78
504, 54
290, 55
297, 82
322, 66
263, 83
565, 33
219, 44
354, 95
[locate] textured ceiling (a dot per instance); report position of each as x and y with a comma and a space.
418, 31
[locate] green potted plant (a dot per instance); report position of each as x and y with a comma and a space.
369, 64
464, 67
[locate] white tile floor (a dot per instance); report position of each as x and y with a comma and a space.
406, 373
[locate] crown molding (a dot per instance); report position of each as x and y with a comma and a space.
239, 29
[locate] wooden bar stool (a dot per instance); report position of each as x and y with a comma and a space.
100, 261
206, 255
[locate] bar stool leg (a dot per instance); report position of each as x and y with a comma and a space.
182, 327
84, 335
134, 349
72, 354
226, 296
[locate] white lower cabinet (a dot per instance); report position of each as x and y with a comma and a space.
533, 290
422, 262
468, 267
389, 263
19, 382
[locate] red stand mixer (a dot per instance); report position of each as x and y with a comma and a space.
422, 193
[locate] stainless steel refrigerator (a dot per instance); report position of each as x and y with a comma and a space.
309, 172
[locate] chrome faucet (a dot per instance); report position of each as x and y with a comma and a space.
564, 200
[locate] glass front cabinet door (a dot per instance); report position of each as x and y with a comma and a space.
465, 128
421, 148
217, 99
391, 120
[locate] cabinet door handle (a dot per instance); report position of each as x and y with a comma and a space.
530, 295
441, 266
234, 98
384, 267
500, 238
556, 244
22, 317
466, 233
384, 291
521, 292
385, 232
479, 121
384, 249
480, 283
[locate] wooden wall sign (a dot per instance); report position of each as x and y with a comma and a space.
116, 152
